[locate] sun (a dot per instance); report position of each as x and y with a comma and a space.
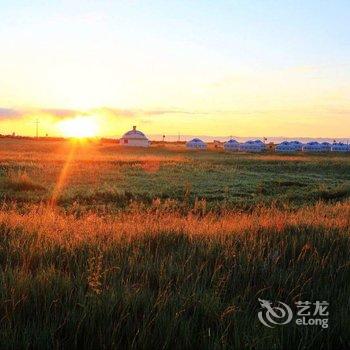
79, 127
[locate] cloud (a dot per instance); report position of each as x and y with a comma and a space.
9, 113
117, 112
146, 121
60, 113
171, 111
135, 112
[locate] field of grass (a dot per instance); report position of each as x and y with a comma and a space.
102, 247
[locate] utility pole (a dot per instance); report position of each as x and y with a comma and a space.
37, 128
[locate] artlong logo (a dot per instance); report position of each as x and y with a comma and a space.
274, 315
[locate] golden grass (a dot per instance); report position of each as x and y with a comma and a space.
53, 224
156, 278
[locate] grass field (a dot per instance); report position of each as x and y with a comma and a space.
103, 247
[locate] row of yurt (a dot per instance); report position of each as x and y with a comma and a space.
230, 145
289, 146
340, 147
136, 138
311, 147
248, 146
253, 146
325, 147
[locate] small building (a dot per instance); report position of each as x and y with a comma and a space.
253, 146
134, 138
231, 145
313, 147
340, 147
196, 144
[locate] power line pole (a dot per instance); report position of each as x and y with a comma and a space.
37, 128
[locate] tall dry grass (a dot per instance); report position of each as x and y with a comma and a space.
158, 278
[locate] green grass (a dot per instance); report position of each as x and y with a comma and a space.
107, 175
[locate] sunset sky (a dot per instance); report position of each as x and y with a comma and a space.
244, 67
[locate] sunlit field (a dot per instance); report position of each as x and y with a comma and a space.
105, 247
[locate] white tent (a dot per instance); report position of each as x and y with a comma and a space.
252, 146
286, 146
297, 145
313, 146
134, 138
196, 144
231, 145
326, 146
340, 147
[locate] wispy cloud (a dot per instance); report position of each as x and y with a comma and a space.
171, 111
9, 113
116, 112
135, 112
60, 113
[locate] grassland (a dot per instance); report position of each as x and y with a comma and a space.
103, 247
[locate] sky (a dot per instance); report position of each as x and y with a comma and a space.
239, 67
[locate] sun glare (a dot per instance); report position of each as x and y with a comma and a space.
79, 127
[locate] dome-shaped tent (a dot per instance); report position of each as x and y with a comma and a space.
313, 146
340, 147
326, 146
253, 146
285, 147
196, 144
134, 138
231, 145
297, 145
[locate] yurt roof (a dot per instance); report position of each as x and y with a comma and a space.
196, 140
232, 141
134, 134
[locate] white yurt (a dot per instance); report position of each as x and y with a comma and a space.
326, 146
340, 147
285, 147
134, 138
196, 144
297, 145
252, 146
231, 145
312, 146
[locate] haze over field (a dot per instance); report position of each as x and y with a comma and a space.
199, 68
